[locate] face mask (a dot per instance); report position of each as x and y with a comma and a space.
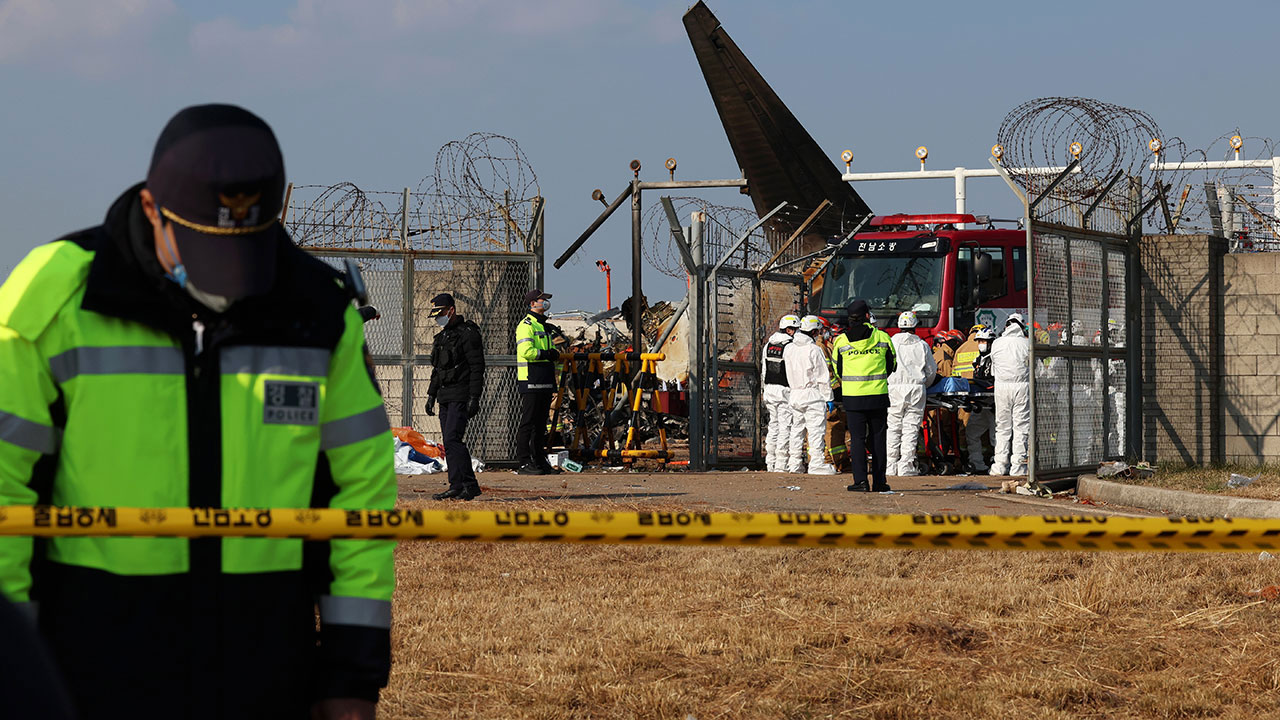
442, 320
216, 303
982, 347
544, 306
179, 272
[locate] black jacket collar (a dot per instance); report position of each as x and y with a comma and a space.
859, 331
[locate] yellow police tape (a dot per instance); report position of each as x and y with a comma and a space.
986, 532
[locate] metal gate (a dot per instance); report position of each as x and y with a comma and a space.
1083, 301
744, 306
1081, 309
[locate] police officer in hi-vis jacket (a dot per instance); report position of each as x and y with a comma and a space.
185, 353
864, 360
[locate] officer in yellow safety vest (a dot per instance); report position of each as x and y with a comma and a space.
186, 353
864, 360
536, 381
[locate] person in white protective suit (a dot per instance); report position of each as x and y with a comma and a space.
1010, 354
907, 383
1082, 399
777, 395
1051, 402
811, 397
1116, 386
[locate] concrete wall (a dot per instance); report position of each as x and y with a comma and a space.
1251, 368
1182, 306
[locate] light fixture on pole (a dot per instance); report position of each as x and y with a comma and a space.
1237, 144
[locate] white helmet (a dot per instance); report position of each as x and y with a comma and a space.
1016, 318
809, 323
986, 333
789, 321
908, 320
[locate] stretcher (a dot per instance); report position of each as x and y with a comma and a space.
941, 426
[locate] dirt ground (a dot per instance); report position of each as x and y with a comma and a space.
573, 631
577, 631
756, 491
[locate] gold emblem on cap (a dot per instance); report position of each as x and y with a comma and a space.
240, 204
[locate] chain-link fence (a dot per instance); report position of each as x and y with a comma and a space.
488, 288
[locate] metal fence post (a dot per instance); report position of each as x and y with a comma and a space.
1105, 328
1133, 337
713, 337
757, 305
637, 292
539, 247
406, 315
1031, 345
696, 343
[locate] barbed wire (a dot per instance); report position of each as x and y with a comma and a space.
724, 225
479, 197
1041, 133
1246, 194
659, 246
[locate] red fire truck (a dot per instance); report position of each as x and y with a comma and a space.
952, 277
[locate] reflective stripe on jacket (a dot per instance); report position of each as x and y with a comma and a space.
533, 374
966, 358
864, 364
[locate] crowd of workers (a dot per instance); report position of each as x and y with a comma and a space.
883, 382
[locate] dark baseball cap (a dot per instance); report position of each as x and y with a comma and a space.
858, 309
439, 304
535, 294
217, 175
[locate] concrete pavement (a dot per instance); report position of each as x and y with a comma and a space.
759, 491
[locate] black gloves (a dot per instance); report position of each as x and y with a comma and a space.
431, 405
551, 354
473, 407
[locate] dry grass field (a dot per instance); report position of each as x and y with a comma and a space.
1214, 480
565, 631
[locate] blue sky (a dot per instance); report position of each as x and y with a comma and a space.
367, 90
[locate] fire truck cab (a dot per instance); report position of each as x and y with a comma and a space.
951, 277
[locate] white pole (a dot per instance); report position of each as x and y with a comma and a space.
960, 194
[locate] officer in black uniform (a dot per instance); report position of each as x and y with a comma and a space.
457, 380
